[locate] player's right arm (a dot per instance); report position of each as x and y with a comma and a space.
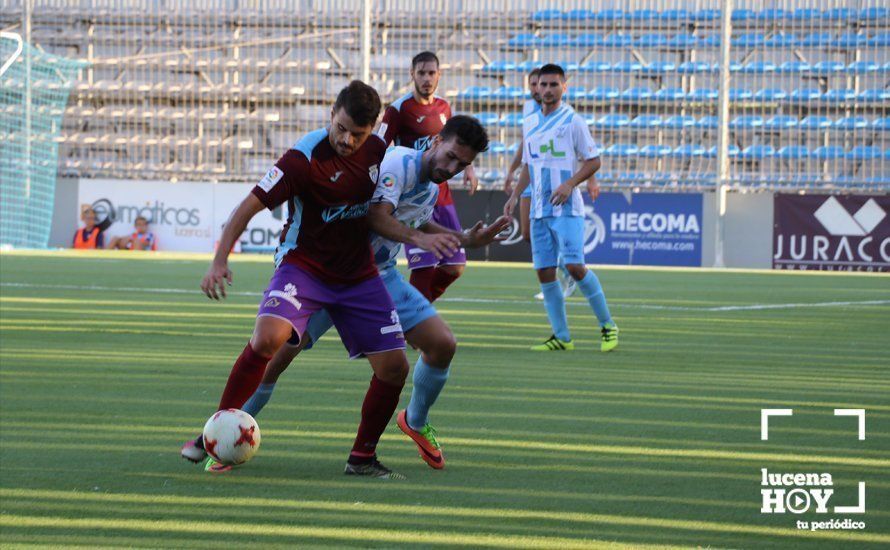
219, 274
517, 161
383, 223
524, 180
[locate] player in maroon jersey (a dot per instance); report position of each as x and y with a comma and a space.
413, 121
324, 261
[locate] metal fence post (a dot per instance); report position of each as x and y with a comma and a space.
723, 130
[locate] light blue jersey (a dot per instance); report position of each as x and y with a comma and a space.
555, 145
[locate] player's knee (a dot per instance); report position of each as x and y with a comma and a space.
443, 349
577, 271
453, 270
394, 373
266, 344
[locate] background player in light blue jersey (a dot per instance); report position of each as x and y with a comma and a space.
559, 154
401, 212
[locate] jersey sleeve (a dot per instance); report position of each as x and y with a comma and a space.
389, 126
391, 182
585, 146
283, 181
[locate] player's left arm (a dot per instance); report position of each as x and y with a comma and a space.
470, 179
477, 236
585, 151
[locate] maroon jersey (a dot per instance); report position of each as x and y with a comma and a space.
411, 124
327, 197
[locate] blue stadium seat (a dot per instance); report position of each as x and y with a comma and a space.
707, 122
793, 152
527, 66
874, 94
806, 14
676, 15
817, 39
743, 15
863, 67
734, 66
703, 95
595, 67
617, 40
487, 118
773, 15
795, 67
694, 67
780, 122
602, 93
622, 150
589, 119
499, 67
749, 40
851, 123
733, 151
554, 40
710, 41
568, 66
850, 40
759, 67
546, 15
865, 152
575, 92
882, 124
609, 15
839, 95
770, 94
655, 151
874, 14
525, 40
650, 40
497, 148
475, 92
758, 152
815, 122
513, 147
840, 14
641, 15
579, 15
805, 95
747, 122
636, 94
589, 40
669, 94
613, 121
740, 94
879, 39
827, 68
682, 41
783, 40
513, 120
828, 152
505, 93
689, 150
659, 67
679, 121
644, 122
706, 15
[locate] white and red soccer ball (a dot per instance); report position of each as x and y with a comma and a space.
231, 437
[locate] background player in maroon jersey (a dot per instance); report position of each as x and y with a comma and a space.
324, 261
413, 121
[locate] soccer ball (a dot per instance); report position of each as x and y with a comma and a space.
231, 436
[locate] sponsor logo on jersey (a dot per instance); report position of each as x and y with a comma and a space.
272, 302
344, 212
420, 119
336, 176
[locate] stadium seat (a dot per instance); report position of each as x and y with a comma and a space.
759, 67
694, 67
734, 66
497, 148
589, 118
805, 95
758, 152
706, 15
746, 122
882, 124
770, 94
739, 94
669, 94
793, 152
589, 40
513, 120
874, 94
780, 122
740, 15
710, 41
675, 15
703, 95
771, 15
546, 15
654, 151
609, 15
840, 14
525, 40
513, 147
679, 121
622, 150
613, 121
682, 42
863, 67
556, 40
806, 14
815, 122
627, 67
783, 40
636, 94
850, 40
644, 122
650, 40
795, 67
475, 92
617, 40
689, 150
850, 123
878, 40
659, 67
749, 40
708, 122
865, 152
602, 93
487, 118
578, 15
828, 152
506, 93
874, 14
641, 15
499, 67
527, 66
839, 95
733, 151
595, 67
575, 93
567, 66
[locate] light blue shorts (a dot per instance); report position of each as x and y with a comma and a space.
411, 306
553, 237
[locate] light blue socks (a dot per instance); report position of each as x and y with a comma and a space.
592, 289
555, 303
428, 384
258, 400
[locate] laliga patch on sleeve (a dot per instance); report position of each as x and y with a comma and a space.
382, 130
388, 180
272, 177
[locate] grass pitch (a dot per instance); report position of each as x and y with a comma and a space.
108, 362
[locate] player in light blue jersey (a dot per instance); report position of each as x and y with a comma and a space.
401, 212
559, 154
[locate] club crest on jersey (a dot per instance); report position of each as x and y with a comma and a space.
374, 171
271, 178
442, 118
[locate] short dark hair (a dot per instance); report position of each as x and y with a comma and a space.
467, 131
424, 57
534, 72
551, 68
360, 102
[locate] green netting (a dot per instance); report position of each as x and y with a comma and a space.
33, 94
